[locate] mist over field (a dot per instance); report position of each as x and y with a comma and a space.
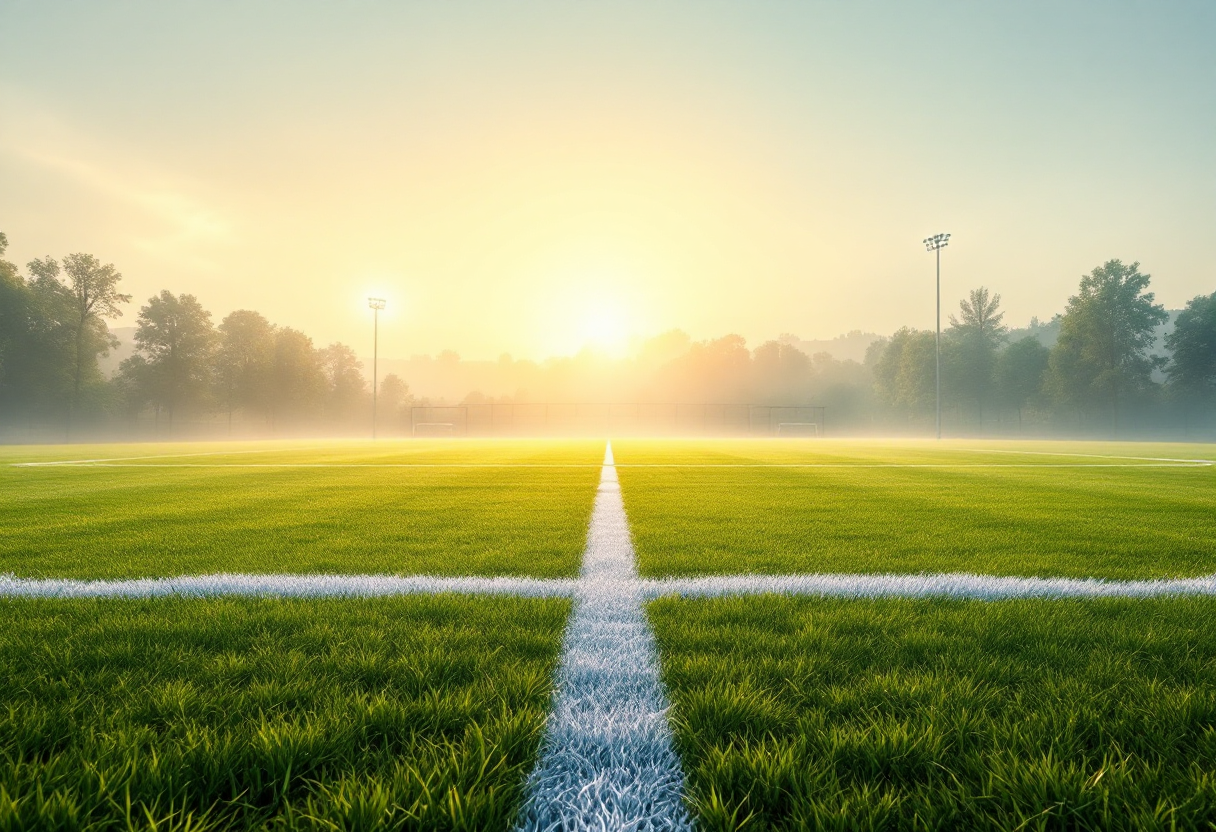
650, 219
1114, 363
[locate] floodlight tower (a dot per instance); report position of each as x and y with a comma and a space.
376, 305
935, 244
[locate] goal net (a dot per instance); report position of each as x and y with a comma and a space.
434, 429
797, 428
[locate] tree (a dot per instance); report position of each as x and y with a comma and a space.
781, 373
904, 371
394, 396
35, 342
975, 338
344, 380
1105, 335
708, 371
1192, 367
297, 382
175, 340
1019, 373
47, 361
95, 294
245, 361
13, 302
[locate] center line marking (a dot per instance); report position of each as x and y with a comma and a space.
607, 761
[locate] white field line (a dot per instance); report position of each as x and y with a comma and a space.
1088, 456
840, 585
281, 586
69, 462
929, 585
1181, 463
607, 761
305, 465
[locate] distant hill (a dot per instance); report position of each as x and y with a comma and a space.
849, 347
1046, 333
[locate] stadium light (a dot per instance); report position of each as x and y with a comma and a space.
935, 244
376, 305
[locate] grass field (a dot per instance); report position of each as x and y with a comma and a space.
334, 508
898, 714
898, 452
408, 713
426, 712
1036, 509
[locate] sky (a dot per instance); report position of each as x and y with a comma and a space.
533, 177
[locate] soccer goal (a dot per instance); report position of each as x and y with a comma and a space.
439, 420
787, 419
434, 429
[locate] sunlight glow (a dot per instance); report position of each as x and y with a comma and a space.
605, 326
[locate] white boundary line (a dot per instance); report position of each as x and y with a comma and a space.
1181, 463
928, 585
839, 585
281, 586
70, 462
139, 462
129, 465
1087, 456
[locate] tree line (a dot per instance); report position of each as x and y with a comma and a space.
53, 330
1102, 372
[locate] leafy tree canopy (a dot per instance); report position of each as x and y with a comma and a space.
1105, 337
1192, 367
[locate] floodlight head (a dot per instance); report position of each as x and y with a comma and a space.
375, 303
937, 241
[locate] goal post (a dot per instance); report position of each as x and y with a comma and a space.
798, 429
790, 419
439, 420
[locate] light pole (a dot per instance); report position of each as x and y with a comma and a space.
935, 244
376, 305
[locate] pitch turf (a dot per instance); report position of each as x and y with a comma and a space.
897, 714
388, 507
407, 713
1042, 509
899, 452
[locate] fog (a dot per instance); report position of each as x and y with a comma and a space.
639, 205
1113, 363
538, 177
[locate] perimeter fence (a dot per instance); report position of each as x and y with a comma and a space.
637, 418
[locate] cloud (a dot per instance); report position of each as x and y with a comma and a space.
166, 216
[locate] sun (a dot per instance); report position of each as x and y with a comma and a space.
594, 311
605, 326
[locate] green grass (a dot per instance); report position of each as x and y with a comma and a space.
141, 521
1124, 522
912, 715
572, 452
404, 713
896, 451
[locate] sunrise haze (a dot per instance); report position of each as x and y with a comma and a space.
528, 178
